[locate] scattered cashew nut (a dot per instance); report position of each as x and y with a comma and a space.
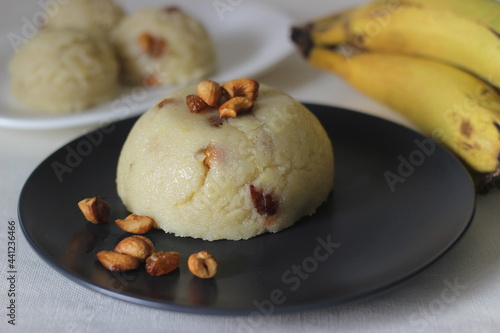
136, 224
161, 263
115, 261
136, 246
95, 209
202, 264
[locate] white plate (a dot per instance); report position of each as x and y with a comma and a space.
250, 38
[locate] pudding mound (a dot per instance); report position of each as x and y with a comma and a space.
205, 177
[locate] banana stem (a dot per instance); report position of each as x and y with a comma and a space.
302, 38
327, 31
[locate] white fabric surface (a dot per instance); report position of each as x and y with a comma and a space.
48, 302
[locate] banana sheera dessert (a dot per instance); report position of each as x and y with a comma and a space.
88, 49
64, 70
228, 161
99, 15
163, 46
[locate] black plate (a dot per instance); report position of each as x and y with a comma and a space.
369, 235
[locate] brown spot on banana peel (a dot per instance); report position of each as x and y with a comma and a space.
358, 40
467, 146
484, 92
466, 128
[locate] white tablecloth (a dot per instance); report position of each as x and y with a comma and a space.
459, 293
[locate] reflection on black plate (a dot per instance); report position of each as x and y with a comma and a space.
399, 203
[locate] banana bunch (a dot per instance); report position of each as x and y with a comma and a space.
437, 62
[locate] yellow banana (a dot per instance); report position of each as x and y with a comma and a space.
413, 30
445, 102
486, 12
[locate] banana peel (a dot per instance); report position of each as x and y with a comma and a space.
471, 132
